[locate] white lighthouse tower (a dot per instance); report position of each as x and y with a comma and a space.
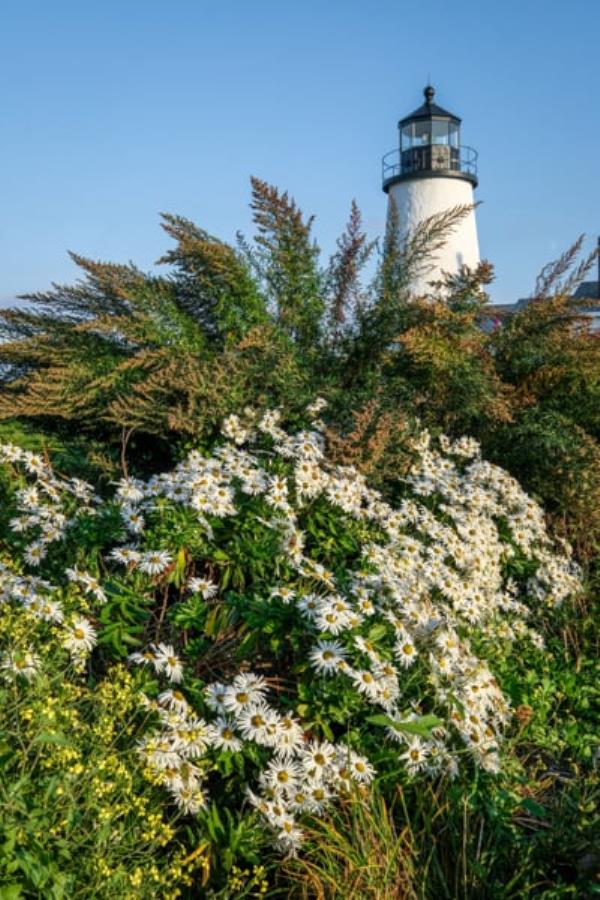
430, 173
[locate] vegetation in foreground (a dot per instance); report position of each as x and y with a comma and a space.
463, 769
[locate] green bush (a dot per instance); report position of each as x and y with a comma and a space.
77, 816
292, 634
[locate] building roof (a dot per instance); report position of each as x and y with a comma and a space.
588, 290
429, 109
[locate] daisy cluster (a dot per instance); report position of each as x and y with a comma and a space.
403, 625
301, 775
37, 596
41, 506
46, 509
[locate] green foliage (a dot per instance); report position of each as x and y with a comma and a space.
123, 352
559, 462
124, 371
77, 816
214, 282
343, 276
286, 262
238, 617
362, 852
532, 832
73, 456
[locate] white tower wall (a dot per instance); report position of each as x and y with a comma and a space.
417, 199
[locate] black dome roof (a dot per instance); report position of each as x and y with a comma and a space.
430, 110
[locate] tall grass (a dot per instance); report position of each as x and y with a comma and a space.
359, 853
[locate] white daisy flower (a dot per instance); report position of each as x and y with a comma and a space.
328, 657
284, 593
361, 769
35, 553
215, 696
160, 753
257, 723
74, 574
80, 636
289, 737
310, 604
131, 490
81, 489
51, 533
143, 658
317, 797
189, 800
125, 555
316, 406
34, 463
191, 738
51, 611
233, 429
223, 735
317, 758
12, 453
282, 774
289, 837
331, 619
174, 699
25, 663
18, 524
154, 562
415, 756
167, 661
133, 519
405, 650
365, 681
92, 586
203, 586
245, 691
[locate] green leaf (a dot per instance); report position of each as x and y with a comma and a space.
220, 555
381, 719
11, 891
536, 809
378, 631
51, 737
421, 726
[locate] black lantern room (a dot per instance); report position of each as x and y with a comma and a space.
429, 147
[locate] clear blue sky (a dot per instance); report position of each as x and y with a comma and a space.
113, 111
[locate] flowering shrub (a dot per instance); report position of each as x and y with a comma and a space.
295, 633
76, 812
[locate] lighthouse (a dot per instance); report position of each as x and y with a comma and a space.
429, 173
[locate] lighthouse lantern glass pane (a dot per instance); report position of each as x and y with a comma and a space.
453, 134
422, 133
440, 134
407, 137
